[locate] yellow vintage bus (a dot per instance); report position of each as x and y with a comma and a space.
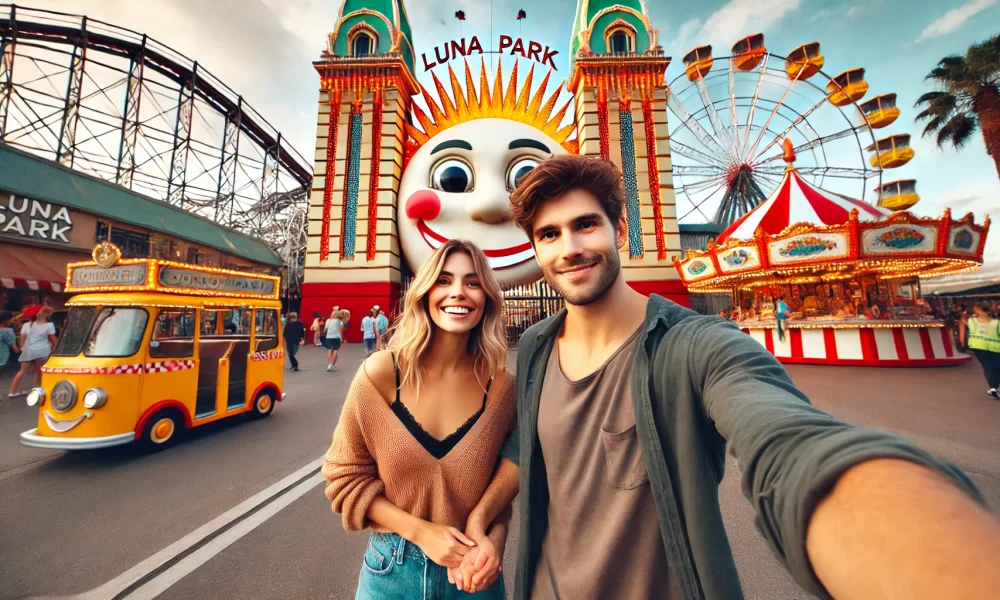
151, 348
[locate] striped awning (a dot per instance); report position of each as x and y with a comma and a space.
24, 267
798, 201
31, 284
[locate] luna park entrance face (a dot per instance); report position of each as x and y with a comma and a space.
524, 305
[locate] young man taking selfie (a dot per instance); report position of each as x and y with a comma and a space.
625, 406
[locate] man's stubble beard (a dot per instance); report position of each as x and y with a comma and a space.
610, 267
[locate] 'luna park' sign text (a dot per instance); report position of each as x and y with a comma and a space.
34, 219
455, 48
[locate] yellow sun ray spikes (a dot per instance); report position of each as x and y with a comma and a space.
536, 100
496, 102
450, 113
552, 126
473, 100
522, 99
511, 93
461, 106
547, 109
484, 89
436, 114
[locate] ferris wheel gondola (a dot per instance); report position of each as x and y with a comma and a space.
732, 114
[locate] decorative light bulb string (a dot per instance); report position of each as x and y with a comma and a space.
331, 173
374, 176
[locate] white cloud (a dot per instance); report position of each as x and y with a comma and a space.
734, 21
850, 12
954, 19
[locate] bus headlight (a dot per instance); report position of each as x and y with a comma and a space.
36, 397
95, 398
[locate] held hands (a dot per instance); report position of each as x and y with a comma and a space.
445, 546
481, 567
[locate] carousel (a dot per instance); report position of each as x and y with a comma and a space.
848, 271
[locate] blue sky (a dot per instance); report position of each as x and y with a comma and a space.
264, 49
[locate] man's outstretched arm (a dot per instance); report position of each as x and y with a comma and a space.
859, 510
895, 529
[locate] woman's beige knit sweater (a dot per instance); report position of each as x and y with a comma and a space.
373, 453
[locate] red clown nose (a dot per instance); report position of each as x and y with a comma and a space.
423, 205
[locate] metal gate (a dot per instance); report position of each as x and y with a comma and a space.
524, 306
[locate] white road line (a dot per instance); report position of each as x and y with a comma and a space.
182, 569
28, 467
128, 578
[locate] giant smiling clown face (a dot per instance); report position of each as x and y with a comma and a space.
458, 185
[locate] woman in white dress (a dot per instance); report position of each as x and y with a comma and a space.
38, 338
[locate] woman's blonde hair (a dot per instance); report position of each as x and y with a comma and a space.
414, 330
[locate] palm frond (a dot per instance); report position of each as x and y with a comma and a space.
983, 60
951, 71
930, 97
959, 130
935, 124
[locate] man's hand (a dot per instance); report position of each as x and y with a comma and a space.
481, 567
445, 546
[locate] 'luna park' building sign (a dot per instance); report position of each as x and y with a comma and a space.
394, 180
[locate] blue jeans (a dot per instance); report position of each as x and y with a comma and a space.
395, 569
782, 327
369, 344
293, 349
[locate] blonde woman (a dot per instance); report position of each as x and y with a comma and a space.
420, 435
38, 338
334, 329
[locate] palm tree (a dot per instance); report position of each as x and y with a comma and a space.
969, 98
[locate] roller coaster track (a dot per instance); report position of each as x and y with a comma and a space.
119, 105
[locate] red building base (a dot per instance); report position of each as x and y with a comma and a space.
358, 298
671, 289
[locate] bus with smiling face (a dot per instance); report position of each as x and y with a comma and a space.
151, 348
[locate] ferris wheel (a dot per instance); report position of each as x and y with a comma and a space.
731, 115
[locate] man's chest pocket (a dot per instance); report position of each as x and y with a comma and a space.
623, 454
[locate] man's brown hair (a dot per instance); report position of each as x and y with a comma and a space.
557, 176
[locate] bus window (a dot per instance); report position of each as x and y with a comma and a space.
237, 322
209, 320
76, 330
267, 329
116, 332
173, 335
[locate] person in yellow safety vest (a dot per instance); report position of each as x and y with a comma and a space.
982, 334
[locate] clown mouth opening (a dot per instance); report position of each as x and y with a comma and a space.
498, 258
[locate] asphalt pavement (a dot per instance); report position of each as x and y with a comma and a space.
237, 510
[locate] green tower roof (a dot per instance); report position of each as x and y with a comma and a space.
386, 17
595, 17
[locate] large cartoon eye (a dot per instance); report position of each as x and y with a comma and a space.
453, 176
519, 169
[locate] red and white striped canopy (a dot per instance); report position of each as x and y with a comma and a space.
796, 201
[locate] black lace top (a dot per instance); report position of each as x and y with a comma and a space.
435, 447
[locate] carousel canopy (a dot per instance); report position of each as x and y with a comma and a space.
802, 234
795, 200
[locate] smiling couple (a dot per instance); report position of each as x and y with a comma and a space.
625, 405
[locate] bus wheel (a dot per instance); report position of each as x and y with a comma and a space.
161, 431
263, 404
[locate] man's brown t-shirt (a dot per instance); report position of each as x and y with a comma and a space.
603, 539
